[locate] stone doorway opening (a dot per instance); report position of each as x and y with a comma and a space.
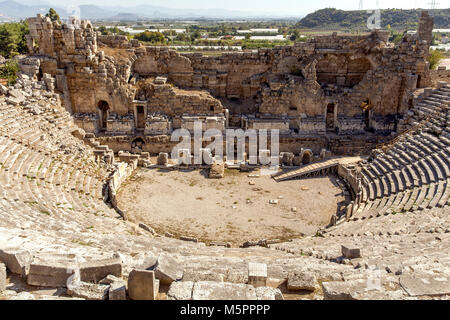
140, 112
367, 113
367, 118
330, 118
103, 108
40, 74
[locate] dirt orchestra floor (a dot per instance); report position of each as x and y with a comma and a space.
234, 209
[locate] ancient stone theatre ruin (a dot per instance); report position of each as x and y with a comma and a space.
363, 128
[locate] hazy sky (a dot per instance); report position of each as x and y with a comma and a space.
292, 7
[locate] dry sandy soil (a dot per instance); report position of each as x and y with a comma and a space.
234, 209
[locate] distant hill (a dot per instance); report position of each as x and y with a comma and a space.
333, 19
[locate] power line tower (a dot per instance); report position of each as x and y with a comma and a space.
361, 5
433, 4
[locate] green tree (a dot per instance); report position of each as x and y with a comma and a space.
53, 15
182, 37
13, 39
9, 71
150, 36
8, 45
396, 37
196, 35
103, 30
295, 35
434, 58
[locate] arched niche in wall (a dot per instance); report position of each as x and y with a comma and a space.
342, 70
137, 144
356, 70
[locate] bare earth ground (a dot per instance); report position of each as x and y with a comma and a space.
185, 203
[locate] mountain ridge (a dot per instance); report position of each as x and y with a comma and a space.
331, 18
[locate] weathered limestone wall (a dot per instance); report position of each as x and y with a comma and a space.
170, 101
337, 83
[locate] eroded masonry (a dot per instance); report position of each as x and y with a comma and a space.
319, 94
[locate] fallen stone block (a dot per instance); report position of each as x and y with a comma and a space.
13, 101
17, 261
426, 284
167, 269
142, 285
145, 261
249, 244
286, 158
336, 290
17, 94
163, 159
117, 287
189, 239
220, 244
301, 281
180, 290
351, 253
53, 274
267, 293
3, 89
78, 133
2, 277
208, 290
109, 279
88, 291
118, 291
361, 289
94, 271
217, 170
257, 274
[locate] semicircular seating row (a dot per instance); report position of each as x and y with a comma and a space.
42, 185
414, 174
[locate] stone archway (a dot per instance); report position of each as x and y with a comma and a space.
137, 145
